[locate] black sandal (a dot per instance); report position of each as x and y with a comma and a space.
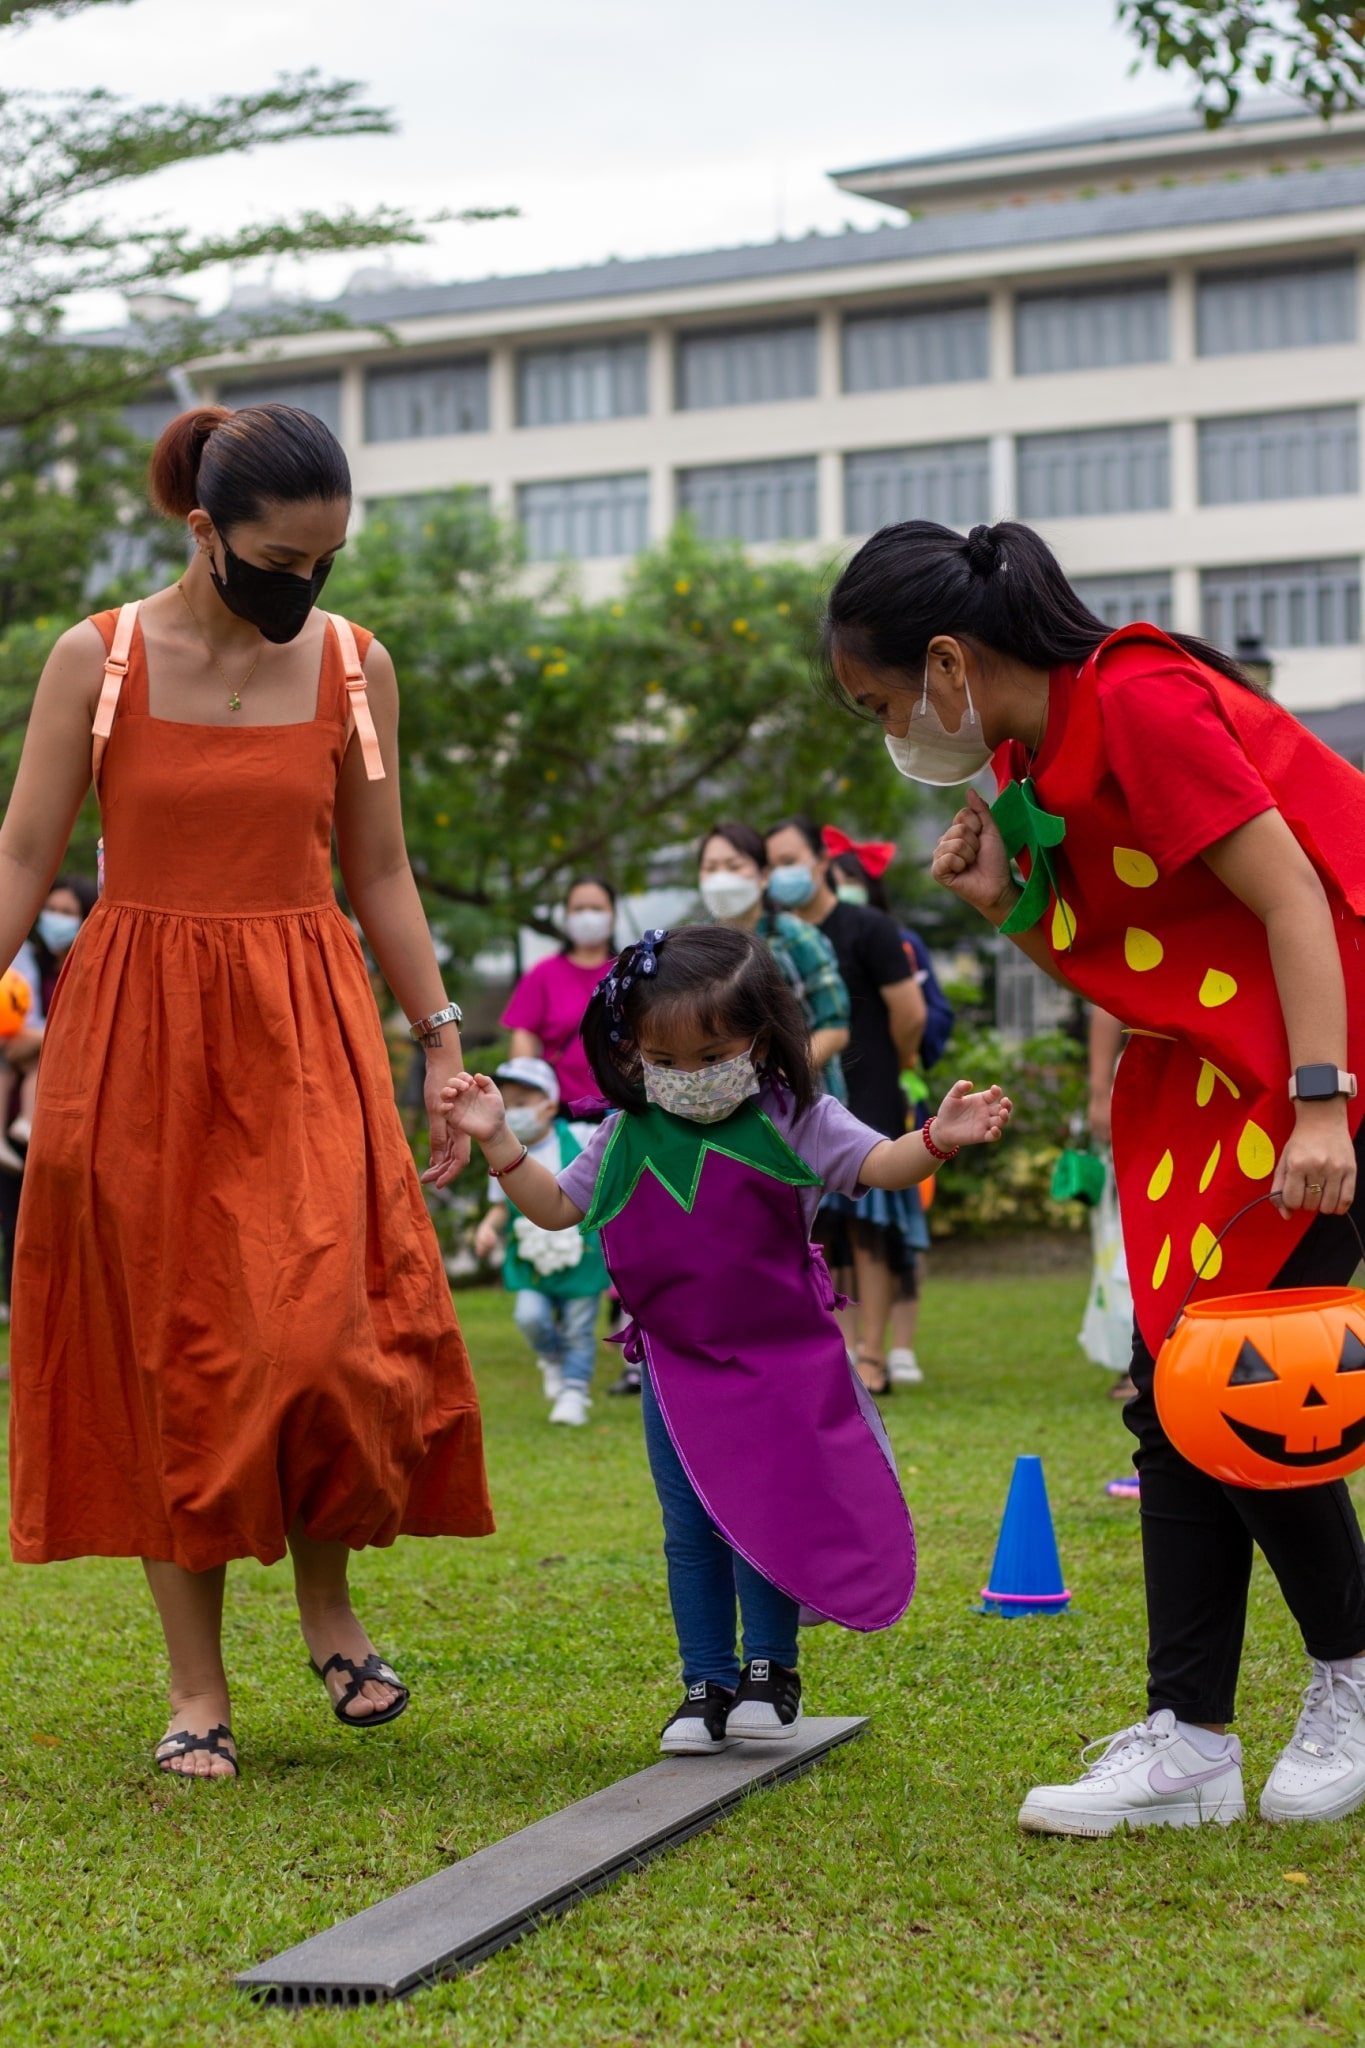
886, 1387
361, 1674
186, 1743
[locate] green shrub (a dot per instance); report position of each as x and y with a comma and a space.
1005, 1186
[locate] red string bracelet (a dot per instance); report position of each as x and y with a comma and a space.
930, 1147
497, 1172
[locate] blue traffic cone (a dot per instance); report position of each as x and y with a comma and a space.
1026, 1577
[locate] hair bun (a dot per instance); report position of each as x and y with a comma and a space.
982, 550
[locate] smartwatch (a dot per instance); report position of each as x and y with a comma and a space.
1320, 1084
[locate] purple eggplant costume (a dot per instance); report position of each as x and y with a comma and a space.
703, 1228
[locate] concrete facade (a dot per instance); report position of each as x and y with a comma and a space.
1097, 208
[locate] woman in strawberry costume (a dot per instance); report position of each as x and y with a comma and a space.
1193, 861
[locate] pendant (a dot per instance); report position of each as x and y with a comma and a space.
234, 702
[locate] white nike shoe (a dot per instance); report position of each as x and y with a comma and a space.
551, 1378
1144, 1777
903, 1367
572, 1406
1320, 1774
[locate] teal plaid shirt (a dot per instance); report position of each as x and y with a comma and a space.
807, 959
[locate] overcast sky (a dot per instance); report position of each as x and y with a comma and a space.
619, 127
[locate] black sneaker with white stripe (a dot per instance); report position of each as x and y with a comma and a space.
698, 1727
767, 1706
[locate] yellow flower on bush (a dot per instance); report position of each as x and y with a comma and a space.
682, 586
740, 626
654, 687
535, 652
442, 819
618, 611
552, 775
555, 668
783, 609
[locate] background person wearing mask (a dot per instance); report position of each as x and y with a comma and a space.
39, 960
732, 881
547, 1004
856, 872
886, 1024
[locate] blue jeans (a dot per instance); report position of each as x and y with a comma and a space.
705, 1574
563, 1331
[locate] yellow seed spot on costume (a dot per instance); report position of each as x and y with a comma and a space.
1216, 989
1138, 870
1063, 925
1203, 1089
1204, 1245
1142, 949
1161, 1177
1163, 1260
1210, 1166
1255, 1153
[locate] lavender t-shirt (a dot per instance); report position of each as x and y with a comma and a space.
827, 1136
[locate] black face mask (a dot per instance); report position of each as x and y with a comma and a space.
274, 601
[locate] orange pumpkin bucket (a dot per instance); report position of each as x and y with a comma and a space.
1267, 1390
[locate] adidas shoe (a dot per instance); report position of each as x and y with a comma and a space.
768, 1703
903, 1367
572, 1406
698, 1727
551, 1378
1144, 1777
1320, 1774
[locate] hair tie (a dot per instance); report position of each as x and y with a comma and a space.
637, 963
984, 552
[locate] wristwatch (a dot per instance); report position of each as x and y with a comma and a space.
1320, 1084
427, 1030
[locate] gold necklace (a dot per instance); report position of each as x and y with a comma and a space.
234, 702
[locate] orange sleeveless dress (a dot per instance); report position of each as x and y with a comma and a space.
229, 1307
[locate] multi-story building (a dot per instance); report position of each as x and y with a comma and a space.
1143, 337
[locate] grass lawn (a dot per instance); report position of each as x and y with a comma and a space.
885, 1898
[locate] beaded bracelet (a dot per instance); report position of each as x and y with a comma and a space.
930, 1147
497, 1172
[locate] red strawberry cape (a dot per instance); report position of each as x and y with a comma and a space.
1201, 1108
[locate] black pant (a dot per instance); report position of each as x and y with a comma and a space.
1197, 1534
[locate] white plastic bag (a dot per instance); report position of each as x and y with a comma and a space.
1107, 1327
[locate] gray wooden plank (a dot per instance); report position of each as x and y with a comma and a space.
448, 1922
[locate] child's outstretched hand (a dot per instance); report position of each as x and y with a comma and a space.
473, 1104
963, 1118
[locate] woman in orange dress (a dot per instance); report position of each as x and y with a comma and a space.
232, 1333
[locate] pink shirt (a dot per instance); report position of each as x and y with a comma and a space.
550, 1001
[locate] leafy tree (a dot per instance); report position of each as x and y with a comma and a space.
1316, 54
542, 740
66, 458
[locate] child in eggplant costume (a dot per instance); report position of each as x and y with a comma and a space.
773, 1471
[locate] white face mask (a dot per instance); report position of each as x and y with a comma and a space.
590, 927
706, 1095
727, 895
928, 752
527, 1123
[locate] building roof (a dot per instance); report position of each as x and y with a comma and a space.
1174, 142
1157, 208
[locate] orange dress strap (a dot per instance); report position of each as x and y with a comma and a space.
359, 719
115, 669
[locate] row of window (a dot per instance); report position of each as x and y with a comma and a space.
1288, 306
1288, 604
1059, 476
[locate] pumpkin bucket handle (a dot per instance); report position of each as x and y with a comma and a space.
1246, 1209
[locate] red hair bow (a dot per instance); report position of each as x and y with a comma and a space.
876, 856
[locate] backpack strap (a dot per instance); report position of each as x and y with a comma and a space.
115, 669
359, 718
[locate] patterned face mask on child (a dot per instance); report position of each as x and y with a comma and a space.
706, 1095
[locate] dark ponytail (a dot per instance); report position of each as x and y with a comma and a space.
1002, 587
234, 464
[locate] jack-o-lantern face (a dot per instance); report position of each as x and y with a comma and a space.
1268, 1390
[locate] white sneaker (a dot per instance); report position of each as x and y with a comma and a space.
903, 1367
551, 1378
1146, 1776
1321, 1773
572, 1406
